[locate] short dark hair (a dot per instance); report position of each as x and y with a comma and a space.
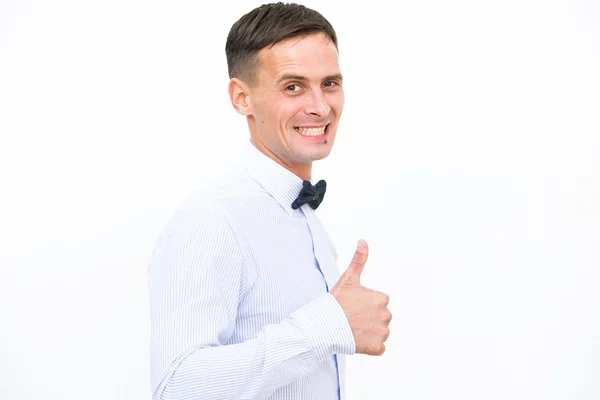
267, 25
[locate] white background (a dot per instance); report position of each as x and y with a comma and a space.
467, 156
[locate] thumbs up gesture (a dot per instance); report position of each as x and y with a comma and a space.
366, 309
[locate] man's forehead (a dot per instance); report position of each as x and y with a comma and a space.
300, 41
316, 58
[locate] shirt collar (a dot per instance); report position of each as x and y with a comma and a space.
282, 184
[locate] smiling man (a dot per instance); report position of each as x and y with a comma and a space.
246, 298
291, 91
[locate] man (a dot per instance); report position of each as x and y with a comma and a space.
246, 298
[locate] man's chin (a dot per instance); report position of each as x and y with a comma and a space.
317, 155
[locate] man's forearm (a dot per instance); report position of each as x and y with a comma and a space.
279, 355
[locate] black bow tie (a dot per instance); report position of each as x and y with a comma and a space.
311, 194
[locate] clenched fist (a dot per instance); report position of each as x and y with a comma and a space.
366, 309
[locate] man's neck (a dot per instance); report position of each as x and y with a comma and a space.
303, 171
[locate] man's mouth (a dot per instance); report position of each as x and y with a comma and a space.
316, 132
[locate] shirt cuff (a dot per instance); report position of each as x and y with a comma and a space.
327, 327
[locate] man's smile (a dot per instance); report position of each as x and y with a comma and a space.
315, 132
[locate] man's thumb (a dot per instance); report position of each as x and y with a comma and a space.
358, 262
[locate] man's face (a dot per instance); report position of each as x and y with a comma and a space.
298, 101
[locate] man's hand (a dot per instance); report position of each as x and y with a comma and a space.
366, 309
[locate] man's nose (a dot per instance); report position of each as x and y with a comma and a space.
317, 104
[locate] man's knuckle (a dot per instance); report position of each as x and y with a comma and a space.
387, 317
385, 332
384, 299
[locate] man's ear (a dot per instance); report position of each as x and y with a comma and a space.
239, 94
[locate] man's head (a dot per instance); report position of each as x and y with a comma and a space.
286, 79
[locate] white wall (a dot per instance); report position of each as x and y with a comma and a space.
469, 146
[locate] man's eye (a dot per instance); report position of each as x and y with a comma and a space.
290, 88
330, 83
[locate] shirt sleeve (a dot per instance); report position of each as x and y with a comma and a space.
196, 278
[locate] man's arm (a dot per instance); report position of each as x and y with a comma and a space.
196, 279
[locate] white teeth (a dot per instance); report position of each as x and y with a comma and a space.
311, 131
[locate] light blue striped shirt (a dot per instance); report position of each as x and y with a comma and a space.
239, 294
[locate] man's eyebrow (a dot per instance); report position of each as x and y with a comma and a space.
286, 77
336, 77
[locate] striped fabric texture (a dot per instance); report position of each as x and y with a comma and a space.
239, 294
